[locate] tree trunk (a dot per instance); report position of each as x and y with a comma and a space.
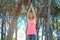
11, 29
3, 20
14, 20
48, 31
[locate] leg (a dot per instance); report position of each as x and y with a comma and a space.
33, 37
28, 37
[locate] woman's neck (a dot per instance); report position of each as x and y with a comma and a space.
31, 19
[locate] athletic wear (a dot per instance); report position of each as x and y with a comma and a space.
31, 29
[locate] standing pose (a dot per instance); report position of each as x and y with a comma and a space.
31, 28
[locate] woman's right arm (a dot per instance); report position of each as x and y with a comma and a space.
27, 18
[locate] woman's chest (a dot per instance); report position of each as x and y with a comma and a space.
31, 22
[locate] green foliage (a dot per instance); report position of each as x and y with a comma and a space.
0, 7
55, 10
23, 13
10, 6
59, 25
13, 38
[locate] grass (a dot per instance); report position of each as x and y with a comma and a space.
0, 38
13, 38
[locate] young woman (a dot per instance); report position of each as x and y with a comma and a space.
31, 29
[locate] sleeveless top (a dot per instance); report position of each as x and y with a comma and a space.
31, 29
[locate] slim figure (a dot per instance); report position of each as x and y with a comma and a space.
31, 28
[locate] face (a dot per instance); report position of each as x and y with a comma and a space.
31, 15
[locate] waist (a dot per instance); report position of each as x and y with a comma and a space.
31, 31
32, 35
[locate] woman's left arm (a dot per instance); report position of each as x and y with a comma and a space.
33, 12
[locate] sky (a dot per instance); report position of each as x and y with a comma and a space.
58, 1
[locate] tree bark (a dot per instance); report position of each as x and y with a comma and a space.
48, 28
11, 29
14, 20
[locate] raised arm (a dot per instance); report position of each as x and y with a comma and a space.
31, 8
33, 11
28, 12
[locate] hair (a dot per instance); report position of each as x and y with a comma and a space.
31, 11
33, 14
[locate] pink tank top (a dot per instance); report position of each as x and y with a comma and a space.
31, 29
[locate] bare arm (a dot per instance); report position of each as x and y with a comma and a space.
33, 12
28, 13
31, 7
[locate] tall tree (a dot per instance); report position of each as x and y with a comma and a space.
48, 28
14, 15
3, 11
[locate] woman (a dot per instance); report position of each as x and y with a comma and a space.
31, 29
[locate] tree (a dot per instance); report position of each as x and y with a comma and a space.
14, 14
